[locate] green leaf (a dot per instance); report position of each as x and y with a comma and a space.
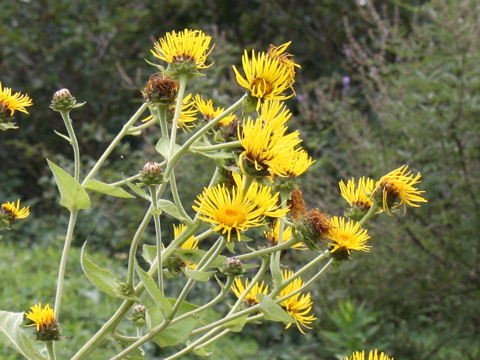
12, 334
152, 290
236, 325
171, 209
107, 189
198, 275
176, 333
63, 136
163, 146
273, 311
72, 195
149, 253
138, 190
214, 154
103, 279
195, 255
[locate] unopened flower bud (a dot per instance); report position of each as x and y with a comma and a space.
152, 173
138, 313
160, 89
233, 267
63, 100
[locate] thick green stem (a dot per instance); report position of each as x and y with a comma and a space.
158, 235
63, 263
228, 145
371, 212
115, 142
178, 108
73, 142
176, 197
50, 350
161, 112
268, 250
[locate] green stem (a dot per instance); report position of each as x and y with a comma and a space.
228, 145
176, 197
178, 108
161, 112
268, 250
50, 350
73, 142
129, 179
146, 125
158, 235
371, 212
115, 142
63, 263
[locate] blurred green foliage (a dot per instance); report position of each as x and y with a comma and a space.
385, 87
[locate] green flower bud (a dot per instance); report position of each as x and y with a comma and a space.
152, 173
63, 101
232, 267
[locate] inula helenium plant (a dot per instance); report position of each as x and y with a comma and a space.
252, 197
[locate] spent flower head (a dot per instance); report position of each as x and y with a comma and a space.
160, 89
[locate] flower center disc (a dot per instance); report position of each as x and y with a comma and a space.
261, 87
231, 217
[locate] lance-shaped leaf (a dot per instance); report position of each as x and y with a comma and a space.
152, 290
103, 279
72, 195
198, 275
107, 189
273, 311
149, 253
163, 146
171, 209
12, 334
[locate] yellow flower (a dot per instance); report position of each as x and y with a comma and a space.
10, 103
209, 112
290, 162
187, 113
190, 243
236, 210
13, 210
266, 78
251, 298
47, 328
372, 355
263, 142
187, 46
274, 112
278, 52
360, 195
299, 305
398, 188
348, 236
274, 233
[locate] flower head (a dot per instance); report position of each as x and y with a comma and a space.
266, 78
187, 113
299, 305
347, 236
9, 103
360, 195
278, 52
251, 298
236, 209
13, 211
186, 50
160, 89
209, 113
190, 243
372, 355
398, 188
47, 328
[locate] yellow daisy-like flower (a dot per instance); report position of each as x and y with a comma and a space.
187, 46
278, 52
359, 195
9, 103
187, 114
299, 305
347, 236
263, 142
372, 355
13, 210
274, 112
398, 188
273, 234
251, 298
236, 210
209, 113
42, 317
266, 78
190, 243
290, 162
